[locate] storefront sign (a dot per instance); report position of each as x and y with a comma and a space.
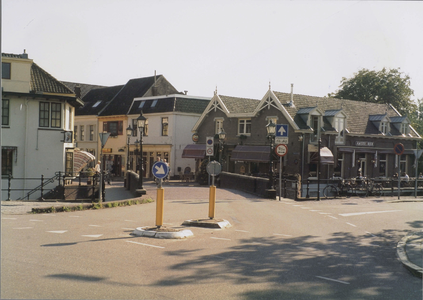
107, 150
195, 137
364, 144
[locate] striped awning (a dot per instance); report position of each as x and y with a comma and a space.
194, 151
81, 159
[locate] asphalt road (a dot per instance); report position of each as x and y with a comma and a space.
337, 249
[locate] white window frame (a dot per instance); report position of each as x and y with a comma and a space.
314, 137
403, 161
404, 128
82, 133
383, 161
339, 125
218, 126
244, 122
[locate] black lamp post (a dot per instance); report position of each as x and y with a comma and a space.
141, 123
222, 136
271, 131
128, 134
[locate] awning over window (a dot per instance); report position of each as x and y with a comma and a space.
81, 159
251, 153
326, 156
194, 151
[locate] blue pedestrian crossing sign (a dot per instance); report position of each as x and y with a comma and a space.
160, 169
282, 130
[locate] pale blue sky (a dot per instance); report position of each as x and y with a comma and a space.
238, 46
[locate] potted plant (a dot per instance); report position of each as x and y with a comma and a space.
90, 175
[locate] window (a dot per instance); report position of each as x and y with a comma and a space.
6, 161
134, 127
315, 126
383, 162
244, 126
75, 132
403, 164
69, 164
219, 126
165, 126
339, 126
384, 127
154, 103
339, 169
142, 103
404, 128
56, 115
114, 128
91, 132
44, 114
5, 70
82, 129
5, 112
146, 127
97, 103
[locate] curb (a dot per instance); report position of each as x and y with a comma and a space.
154, 233
402, 255
208, 223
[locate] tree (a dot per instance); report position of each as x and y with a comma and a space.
417, 120
385, 86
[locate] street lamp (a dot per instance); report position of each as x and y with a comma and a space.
141, 123
271, 131
222, 136
129, 131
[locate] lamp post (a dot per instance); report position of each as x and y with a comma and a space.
271, 131
222, 136
128, 134
141, 123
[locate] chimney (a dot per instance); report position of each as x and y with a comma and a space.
77, 91
291, 102
155, 93
24, 55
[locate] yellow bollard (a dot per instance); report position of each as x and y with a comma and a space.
159, 207
212, 201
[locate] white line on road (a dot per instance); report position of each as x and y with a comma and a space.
58, 231
130, 221
94, 225
324, 213
333, 217
216, 238
34, 220
305, 207
315, 210
371, 234
368, 213
92, 235
297, 205
9, 218
325, 278
23, 228
145, 244
282, 234
351, 224
241, 230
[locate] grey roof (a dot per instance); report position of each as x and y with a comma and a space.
173, 103
305, 110
398, 119
239, 105
332, 112
85, 88
376, 118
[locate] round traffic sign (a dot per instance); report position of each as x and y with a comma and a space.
209, 151
160, 169
281, 149
214, 168
399, 149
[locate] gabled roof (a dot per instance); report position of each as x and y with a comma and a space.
85, 88
105, 95
377, 118
237, 105
171, 103
41, 81
398, 119
134, 88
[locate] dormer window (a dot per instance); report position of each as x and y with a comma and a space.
384, 127
404, 128
339, 125
315, 125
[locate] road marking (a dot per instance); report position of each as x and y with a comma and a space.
368, 213
92, 235
282, 234
298, 205
94, 225
305, 207
333, 217
74, 216
371, 234
351, 224
241, 230
9, 218
34, 220
130, 221
315, 210
216, 238
325, 278
58, 231
23, 228
128, 228
145, 244
324, 213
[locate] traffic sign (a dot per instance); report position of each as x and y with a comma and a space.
209, 146
399, 149
282, 130
160, 169
281, 150
214, 168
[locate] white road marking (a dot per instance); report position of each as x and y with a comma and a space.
371, 234
34, 220
305, 207
351, 224
94, 225
241, 230
216, 238
324, 213
282, 234
368, 213
333, 217
340, 281
9, 218
315, 210
58, 231
145, 244
92, 235
23, 228
130, 221
298, 205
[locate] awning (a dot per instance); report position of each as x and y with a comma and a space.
194, 151
326, 156
80, 160
251, 153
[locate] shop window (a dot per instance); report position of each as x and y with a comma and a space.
383, 162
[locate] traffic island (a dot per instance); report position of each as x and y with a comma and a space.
162, 232
208, 223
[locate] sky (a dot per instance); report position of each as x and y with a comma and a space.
238, 48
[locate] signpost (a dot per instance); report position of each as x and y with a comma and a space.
281, 134
213, 168
281, 150
160, 170
104, 136
399, 150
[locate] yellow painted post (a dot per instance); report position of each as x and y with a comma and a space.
212, 201
159, 207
